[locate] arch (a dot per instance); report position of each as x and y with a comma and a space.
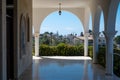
62, 11
61, 17
91, 17
28, 27
40, 14
97, 19
22, 35
110, 25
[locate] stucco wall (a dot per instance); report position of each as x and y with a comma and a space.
23, 58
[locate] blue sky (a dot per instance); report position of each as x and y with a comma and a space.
69, 23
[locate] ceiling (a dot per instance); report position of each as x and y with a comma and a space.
55, 3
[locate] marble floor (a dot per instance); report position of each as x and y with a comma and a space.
65, 68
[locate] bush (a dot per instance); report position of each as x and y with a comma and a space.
102, 59
61, 50
101, 56
117, 65
117, 50
44, 50
117, 62
90, 51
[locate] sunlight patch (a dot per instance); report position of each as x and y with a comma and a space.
64, 57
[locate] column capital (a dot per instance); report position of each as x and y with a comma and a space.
36, 34
109, 34
86, 34
95, 34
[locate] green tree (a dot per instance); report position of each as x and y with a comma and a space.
117, 39
81, 34
90, 31
51, 37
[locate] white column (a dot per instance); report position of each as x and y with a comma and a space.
109, 52
36, 44
86, 44
95, 46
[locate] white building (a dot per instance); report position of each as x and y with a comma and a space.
101, 40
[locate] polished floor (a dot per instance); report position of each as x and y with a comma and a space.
65, 68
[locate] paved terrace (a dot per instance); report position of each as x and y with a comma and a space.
65, 68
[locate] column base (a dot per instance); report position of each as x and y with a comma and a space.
86, 55
95, 62
37, 56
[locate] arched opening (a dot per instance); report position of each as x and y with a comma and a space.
66, 23
101, 22
117, 25
90, 22
102, 40
90, 40
117, 43
56, 29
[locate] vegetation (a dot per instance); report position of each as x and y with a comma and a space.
102, 59
101, 56
117, 65
53, 39
117, 39
61, 49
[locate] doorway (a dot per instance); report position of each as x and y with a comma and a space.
10, 39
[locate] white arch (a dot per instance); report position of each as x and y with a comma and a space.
96, 24
110, 24
39, 15
68, 12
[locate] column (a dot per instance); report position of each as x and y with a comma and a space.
3, 64
95, 46
109, 52
86, 44
36, 44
